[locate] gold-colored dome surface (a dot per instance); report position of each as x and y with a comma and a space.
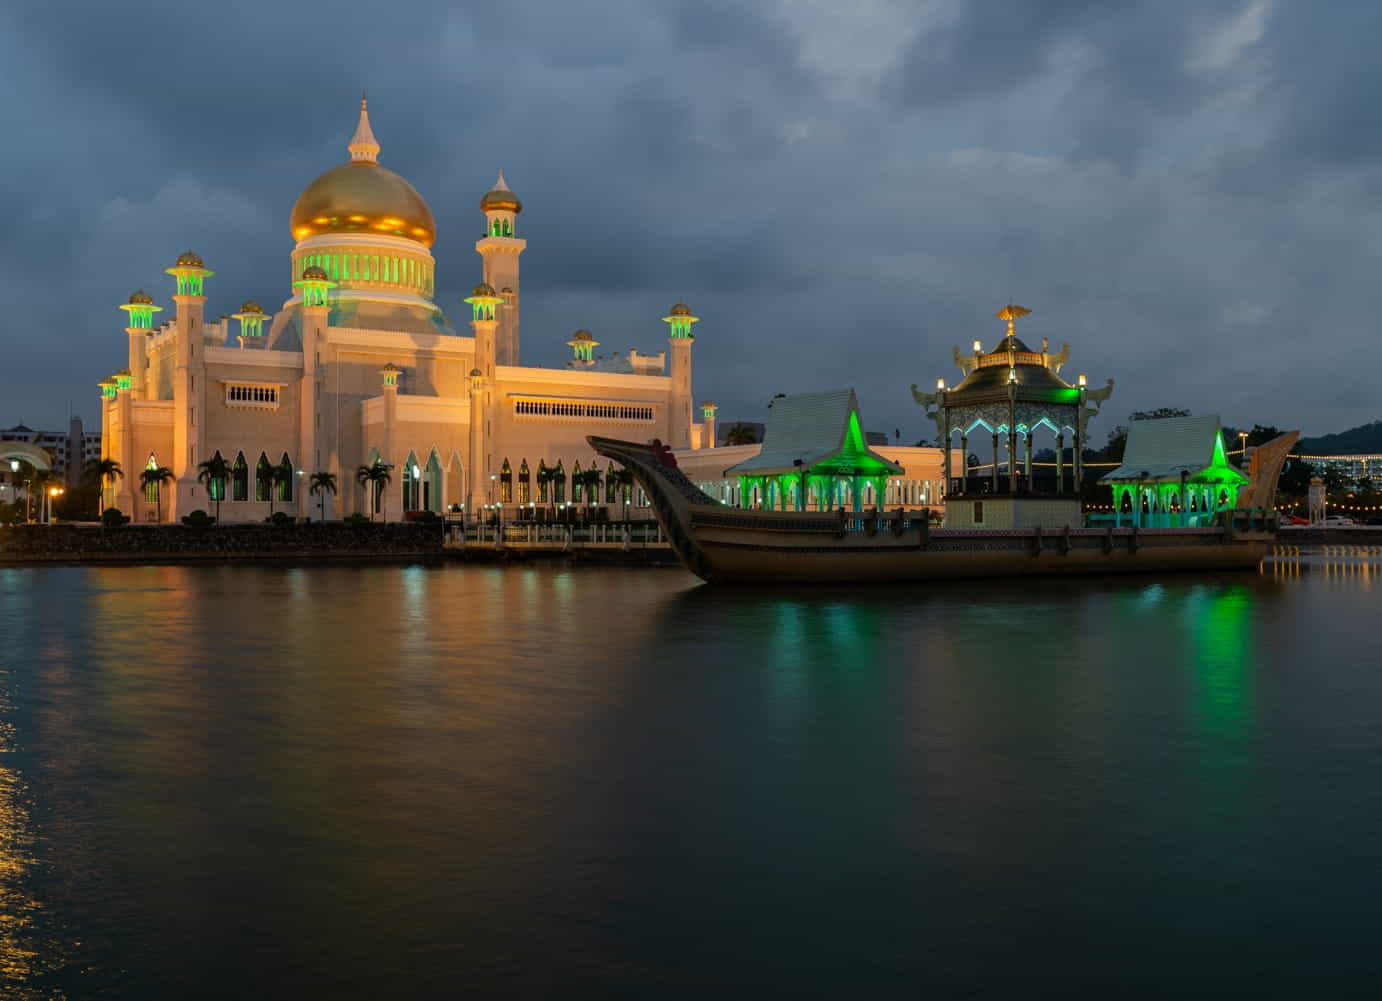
583, 335
483, 289
500, 199
189, 260
250, 306
314, 273
141, 298
680, 309
363, 197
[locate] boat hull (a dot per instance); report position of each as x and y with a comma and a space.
719, 543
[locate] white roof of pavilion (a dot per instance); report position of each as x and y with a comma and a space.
811, 427
1164, 449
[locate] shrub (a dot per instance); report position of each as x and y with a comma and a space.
198, 519
112, 517
427, 516
281, 518
355, 518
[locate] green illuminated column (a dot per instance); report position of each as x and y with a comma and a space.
189, 384
583, 345
679, 321
141, 310
252, 317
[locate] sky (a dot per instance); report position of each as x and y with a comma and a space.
1183, 191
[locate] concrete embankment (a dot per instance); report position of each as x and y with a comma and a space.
31, 544
1341, 535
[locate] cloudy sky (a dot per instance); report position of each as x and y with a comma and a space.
1184, 191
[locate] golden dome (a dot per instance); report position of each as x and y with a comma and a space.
250, 306
680, 309
500, 199
483, 289
363, 197
314, 273
189, 260
141, 298
582, 335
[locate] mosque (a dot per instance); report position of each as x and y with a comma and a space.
361, 366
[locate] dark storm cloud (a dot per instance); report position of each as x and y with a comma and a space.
842, 191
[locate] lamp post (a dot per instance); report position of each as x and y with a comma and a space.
1242, 448
51, 494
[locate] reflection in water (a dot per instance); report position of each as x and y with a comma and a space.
384, 781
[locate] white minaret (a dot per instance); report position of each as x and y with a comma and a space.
499, 249
679, 321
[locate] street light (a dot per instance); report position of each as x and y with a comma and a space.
52, 493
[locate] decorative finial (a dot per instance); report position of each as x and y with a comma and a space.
500, 184
364, 148
1012, 313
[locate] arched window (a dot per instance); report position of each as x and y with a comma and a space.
432, 483
506, 483
240, 479
611, 484
525, 484
411, 475
285, 481
508, 227
216, 485
577, 484
559, 484
544, 477
263, 474
151, 488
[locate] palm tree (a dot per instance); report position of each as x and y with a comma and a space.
103, 471
740, 434
323, 483
590, 479
157, 475
624, 478
214, 472
545, 475
378, 477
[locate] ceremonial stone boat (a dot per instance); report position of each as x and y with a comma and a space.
721, 543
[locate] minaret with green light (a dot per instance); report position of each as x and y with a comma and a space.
189, 384
251, 317
484, 305
582, 345
141, 310
499, 249
315, 288
679, 320
708, 412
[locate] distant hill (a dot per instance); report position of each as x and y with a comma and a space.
1367, 438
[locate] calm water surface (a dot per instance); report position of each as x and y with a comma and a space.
428, 782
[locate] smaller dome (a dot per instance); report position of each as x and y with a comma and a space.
483, 289
250, 306
314, 274
582, 335
475, 373
189, 260
141, 298
680, 309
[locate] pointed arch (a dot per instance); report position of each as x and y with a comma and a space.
432, 483
559, 484
577, 484
525, 483
455, 482
263, 474
506, 482
412, 473
285, 483
240, 479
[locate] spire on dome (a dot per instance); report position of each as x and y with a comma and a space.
364, 148
501, 184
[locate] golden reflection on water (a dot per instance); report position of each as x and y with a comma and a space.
1359, 566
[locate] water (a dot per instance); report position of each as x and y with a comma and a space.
419, 782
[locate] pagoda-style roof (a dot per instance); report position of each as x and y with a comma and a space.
1012, 363
818, 433
1162, 450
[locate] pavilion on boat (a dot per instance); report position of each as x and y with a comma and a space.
814, 456
1175, 474
1007, 395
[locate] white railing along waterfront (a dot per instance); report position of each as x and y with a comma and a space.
555, 535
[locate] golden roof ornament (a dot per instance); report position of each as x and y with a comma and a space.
188, 259
1012, 314
141, 298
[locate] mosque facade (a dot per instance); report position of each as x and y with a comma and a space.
361, 366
